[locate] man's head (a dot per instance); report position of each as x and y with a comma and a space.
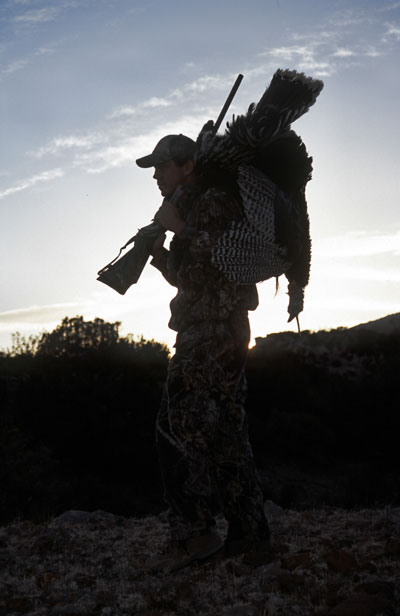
172, 159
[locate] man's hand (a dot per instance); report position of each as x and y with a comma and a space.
168, 216
158, 245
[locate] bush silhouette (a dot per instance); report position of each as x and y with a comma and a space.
79, 404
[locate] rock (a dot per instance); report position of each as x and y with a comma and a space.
51, 597
280, 548
257, 559
75, 516
392, 547
332, 598
51, 539
20, 604
393, 514
240, 610
333, 594
45, 578
292, 561
84, 580
272, 570
380, 588
70, 609
6, 558
272, 509
368, 566
340, 561
104, 597
362, 606
290, 581
270, 577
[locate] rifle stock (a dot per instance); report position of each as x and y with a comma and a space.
123, 272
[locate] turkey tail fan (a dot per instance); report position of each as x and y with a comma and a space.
289, 96
292, 91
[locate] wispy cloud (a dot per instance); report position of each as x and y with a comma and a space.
372, 52
21, 63
352, 34
321, 53
70, 142
306, 57
143, 107
343, 52
16, 65
125, 151
360, 273
37, 315
101, 150
204, 84
358, 244
36, 16
354, 16
45, 176
392, 32
389, 7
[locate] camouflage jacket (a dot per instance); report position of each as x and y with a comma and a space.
203, 292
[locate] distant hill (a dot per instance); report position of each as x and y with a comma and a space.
323, 341
385, 325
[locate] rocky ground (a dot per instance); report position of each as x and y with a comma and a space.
328, 562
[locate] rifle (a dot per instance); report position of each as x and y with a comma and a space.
123, 272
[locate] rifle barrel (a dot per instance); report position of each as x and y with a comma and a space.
228, 102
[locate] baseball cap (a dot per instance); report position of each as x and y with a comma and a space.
172, 147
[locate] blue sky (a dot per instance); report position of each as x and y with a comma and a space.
87, 86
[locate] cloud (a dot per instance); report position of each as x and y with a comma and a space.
107, 158
342, 52
389, 7
70, 142
45, 176
125, 151
16, 65
148, 105
204, 84
34, 320
358, 244
360, 273
98, 151
372, 52
37, 315
351, 17
306, 58
21, 63
348, 304
392, 31
37, 16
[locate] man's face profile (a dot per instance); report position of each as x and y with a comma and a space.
169, 175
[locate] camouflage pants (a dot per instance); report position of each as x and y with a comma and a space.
202, 439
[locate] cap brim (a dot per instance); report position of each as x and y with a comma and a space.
146, 161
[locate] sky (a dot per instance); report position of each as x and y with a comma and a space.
88, 86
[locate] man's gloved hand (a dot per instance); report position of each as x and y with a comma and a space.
158, 245
168, 216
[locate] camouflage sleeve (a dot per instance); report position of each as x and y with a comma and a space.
160, 262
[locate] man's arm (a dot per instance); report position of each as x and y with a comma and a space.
160, 258
169, 218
